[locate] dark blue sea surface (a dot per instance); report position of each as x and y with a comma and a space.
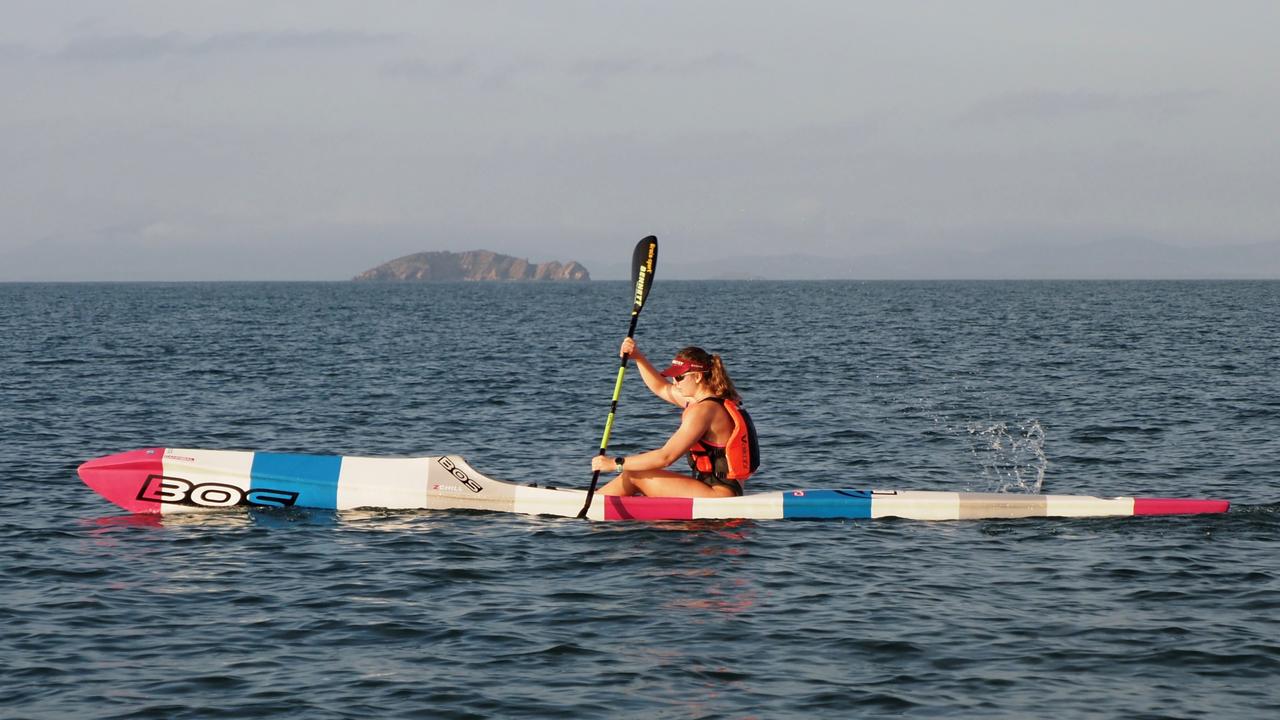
1108, 388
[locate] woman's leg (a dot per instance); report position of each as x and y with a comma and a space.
661, 483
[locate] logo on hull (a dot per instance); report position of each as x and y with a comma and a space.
180, 491
457, 472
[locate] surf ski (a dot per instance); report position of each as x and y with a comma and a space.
177, 480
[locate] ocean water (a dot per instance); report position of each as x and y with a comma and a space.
1109, 388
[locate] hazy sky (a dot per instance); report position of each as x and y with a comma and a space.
312, 140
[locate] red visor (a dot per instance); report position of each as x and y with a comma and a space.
680, 366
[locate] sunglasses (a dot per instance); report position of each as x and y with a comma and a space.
682, 376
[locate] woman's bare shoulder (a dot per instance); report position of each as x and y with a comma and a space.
674, 396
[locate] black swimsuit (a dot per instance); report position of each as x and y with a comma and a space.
712, 481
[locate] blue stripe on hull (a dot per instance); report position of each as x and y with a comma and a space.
827, 504
313, 477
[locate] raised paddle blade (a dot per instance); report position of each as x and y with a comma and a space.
643, 261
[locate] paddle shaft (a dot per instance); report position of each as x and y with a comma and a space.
613, 410
617, 388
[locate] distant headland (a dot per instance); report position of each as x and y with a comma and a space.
472, 265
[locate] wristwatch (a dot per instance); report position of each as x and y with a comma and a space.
617, 464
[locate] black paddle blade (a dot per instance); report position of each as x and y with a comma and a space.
643, 261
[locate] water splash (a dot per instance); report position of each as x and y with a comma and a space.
1011, 459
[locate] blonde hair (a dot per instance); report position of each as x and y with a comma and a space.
717, 376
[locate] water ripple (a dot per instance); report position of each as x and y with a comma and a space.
1095, 388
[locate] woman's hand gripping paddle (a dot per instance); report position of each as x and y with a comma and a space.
643, 261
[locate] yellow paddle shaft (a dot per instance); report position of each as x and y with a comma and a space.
613, 409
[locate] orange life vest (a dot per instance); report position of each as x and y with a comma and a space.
736, 459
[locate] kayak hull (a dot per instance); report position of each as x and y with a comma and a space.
178, 480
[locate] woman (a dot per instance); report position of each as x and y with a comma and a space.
715, 432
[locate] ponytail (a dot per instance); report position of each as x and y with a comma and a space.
721, 385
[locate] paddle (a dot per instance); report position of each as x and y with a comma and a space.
643, 261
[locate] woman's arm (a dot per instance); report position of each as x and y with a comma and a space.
695, 425
652, 377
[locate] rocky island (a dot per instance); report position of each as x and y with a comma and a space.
473, 265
